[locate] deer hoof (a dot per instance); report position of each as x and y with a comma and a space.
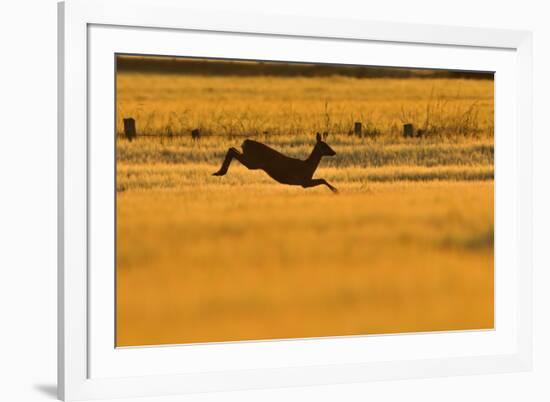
219, 173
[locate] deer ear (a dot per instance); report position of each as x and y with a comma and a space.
318, 137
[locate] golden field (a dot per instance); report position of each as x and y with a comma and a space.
226, 106
406, 246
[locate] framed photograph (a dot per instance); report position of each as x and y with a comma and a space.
252, 201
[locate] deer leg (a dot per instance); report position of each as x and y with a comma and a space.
318, 182
232, 153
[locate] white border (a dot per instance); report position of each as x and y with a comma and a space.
106, 362
74, 381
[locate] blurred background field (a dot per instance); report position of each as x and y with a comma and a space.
406, 246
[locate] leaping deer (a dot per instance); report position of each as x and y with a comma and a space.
279, 167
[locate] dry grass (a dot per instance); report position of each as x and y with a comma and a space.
248, 106
167, 176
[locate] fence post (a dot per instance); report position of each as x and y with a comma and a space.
130, 129
408, 130
358, 129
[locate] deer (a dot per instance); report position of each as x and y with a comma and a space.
279, 167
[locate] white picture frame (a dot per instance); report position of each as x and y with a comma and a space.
90, 367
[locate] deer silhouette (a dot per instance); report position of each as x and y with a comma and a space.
279, 167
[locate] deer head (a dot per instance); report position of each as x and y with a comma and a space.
322, 148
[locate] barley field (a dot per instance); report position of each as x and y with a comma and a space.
406, 245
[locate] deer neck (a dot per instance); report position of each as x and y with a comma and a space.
313, 160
